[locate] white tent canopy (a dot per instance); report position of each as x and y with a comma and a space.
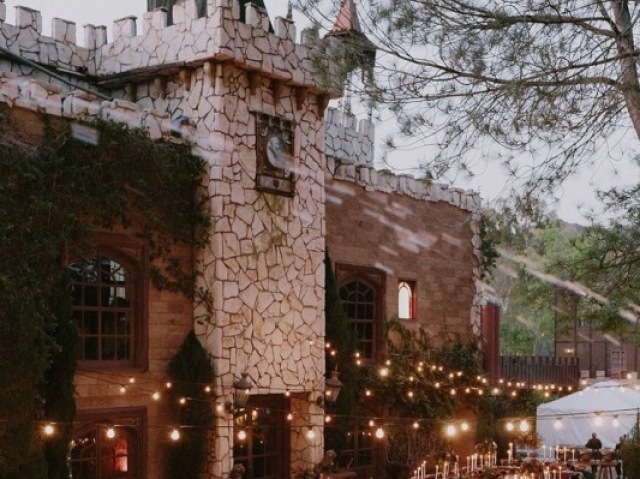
608, 408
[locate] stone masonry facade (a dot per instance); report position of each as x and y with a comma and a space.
207, 80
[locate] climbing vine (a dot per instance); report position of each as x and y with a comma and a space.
55, 191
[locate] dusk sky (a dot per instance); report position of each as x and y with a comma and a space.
490, 183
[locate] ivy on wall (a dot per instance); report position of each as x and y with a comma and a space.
55, 191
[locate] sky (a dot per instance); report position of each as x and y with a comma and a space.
576, 197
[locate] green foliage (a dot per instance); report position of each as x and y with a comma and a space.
418, 388
58, 390
489, 236
630, 455
190, 370
494, 411
341, 339
53, 195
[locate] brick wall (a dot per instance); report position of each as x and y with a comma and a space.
428, 242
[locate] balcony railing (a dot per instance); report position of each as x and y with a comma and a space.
546, 370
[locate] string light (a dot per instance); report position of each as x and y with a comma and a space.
155, 396
175, 434
123, 389
450, 430
524, 425
111, 432
242, 435
510, 427
379, 433
49, 430
464, 426
290, 417
182, 401
311, 434
416, 425
558, 423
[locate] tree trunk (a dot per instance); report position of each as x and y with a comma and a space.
629, 70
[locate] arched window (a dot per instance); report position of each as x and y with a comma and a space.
406, 300
109, 448
359, 302
106, 303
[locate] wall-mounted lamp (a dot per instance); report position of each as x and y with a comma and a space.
241, 389
332, 387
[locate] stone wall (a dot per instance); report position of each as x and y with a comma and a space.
264, 264
203, 80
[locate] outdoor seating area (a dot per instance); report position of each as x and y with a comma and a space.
563, 463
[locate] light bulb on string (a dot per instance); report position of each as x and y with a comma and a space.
510, 427
597, 420
242, 435
175, 434
168, 385
450, 430
327, 419
290, 417
182, 401
524, 425
311, 434
49, 430
111, 432
123, 389
132, 380
464, 426
416, 425
379, 433
207, 389
155, 396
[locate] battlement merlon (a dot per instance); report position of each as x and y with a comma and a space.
348, 140
219, 37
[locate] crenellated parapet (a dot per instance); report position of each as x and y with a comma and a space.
348, 140
160, 49
34, 95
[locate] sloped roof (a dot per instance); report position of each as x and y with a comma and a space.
347, 20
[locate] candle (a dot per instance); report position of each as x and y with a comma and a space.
436, 472
573, 454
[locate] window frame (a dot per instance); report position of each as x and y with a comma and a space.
134, 419
279, 403
413, 304
376, 280
131, 252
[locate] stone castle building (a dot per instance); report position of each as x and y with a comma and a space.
288, 180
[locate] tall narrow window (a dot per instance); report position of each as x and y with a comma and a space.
406, 300
359, 302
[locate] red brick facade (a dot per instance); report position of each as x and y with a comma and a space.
428, 243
